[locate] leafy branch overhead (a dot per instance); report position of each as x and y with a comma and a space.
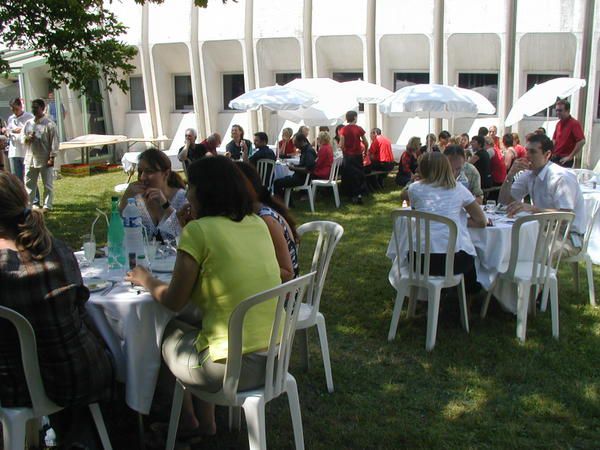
80, 39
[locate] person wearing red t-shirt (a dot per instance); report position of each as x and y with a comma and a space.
493, 133
324, 157
353, 176
285, 146
512, 150
380, 152
568, 135
497, 167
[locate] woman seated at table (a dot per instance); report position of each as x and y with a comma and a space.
285, 147
238, 143
225, 255
308, 158
40, 279
408, 162
160, 193
279, 221
324, 157
437, 192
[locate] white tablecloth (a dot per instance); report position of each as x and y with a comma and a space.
592, 197
132, 324
282, 170
492, 245
130, 160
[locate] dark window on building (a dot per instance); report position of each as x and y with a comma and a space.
137, 102
484, 83
538, 78
184, 99
233, 86
342, 77
403, 79
285, 78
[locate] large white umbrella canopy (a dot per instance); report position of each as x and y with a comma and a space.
275, 98
366, 92
333, 101
433, 101
484, 106
541, 96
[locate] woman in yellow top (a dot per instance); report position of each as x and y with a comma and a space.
225, 255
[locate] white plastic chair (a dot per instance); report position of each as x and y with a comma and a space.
266, 170
14, 419
332, 182
417, 225
305, 187
329, 234
531, 276
583, 256
278, 380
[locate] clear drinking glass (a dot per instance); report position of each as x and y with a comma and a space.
151, 248
89, 248
490, 206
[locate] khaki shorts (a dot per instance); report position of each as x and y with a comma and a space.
198, 369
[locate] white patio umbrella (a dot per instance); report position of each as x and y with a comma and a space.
274, 98
429, 101
333, 101
484, 106
366, 92
542, 96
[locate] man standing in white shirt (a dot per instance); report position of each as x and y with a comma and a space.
41, 142
550, 186
16, 148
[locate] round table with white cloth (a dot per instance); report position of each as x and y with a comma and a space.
132, 324
591, 196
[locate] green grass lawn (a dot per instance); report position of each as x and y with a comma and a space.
477, 390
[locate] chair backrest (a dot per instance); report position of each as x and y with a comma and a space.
41, 404
330, 234
266, 170
590, 226
417, 226
335, 168
553, 230
288, 297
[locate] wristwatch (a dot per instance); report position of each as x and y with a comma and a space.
166, 205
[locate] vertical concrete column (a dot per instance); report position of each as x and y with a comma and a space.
148, 75
437, 56
507, 64
370, 67
195, 72
306, 56
248, 53
587, 69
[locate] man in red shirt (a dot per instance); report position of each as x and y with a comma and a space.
568, 136
353, 176
380, 152
212, 142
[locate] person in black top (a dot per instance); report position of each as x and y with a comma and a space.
481, 160
262, 150
308, 159
235, 147
430, 144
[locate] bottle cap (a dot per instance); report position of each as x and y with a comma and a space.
114, 198
131, 200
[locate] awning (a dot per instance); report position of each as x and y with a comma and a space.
22, 60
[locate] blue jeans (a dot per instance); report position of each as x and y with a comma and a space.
17, 167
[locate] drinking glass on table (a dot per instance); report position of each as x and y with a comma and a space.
89, 248
490, 206
151, 248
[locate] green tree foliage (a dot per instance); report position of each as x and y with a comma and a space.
79, 39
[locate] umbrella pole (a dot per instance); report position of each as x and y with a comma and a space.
428, 131
547, 116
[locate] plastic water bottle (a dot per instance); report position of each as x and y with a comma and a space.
116, 235
134, 238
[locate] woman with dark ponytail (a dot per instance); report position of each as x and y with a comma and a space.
160, 193
281, 224
40, 279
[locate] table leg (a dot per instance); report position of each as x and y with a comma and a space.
141, 431
82, 155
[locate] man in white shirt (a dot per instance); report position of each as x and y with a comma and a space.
41, 142
16, 148
550, 186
